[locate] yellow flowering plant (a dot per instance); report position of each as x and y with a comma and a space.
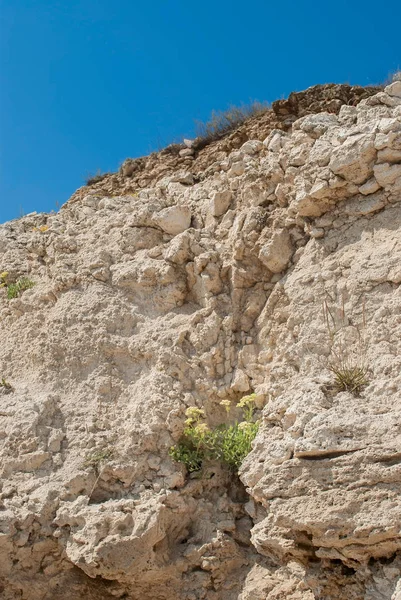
229, 444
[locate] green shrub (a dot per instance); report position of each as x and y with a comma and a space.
223, 122
15, 289
229, 444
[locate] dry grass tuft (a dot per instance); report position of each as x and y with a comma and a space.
222, 123
347, 360
92, 179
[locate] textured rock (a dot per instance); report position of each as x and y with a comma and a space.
394, 89
354, 158
220, 202
174, 220
145, 304
276, 253
387, 174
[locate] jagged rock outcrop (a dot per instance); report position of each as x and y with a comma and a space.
164, 291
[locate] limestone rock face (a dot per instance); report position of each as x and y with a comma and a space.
182, 292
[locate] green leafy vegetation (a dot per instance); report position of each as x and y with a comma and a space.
229, 444
223, 122
15, 289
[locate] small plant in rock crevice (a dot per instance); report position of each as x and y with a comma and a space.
14, 290
41, 228
229, 444
5, 385
95, 460
347, 360
97, 457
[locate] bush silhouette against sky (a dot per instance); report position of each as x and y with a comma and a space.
88, 83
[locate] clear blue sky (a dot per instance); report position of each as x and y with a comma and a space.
86, 83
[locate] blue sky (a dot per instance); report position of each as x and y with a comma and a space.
86, 83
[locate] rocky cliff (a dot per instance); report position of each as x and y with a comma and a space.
186, 279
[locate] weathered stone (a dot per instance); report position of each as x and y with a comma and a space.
219, 202
394, 89
237, 169
316, 125
252, 147
186, 152
240, 382
361, 206
277, 252
369, 187
174, 219
275, 140
353, 160
386, 174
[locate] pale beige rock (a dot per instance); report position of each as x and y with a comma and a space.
276, 253
370, 187
275, 140
353, 160
387, 174
316, 125
185, 152
238, 168
360, 206
252, 147
220, 202
394, 89
174, 219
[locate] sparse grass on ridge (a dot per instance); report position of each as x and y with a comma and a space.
391, 78
98, 176
221, 123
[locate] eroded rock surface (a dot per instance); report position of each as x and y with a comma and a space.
183, 291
